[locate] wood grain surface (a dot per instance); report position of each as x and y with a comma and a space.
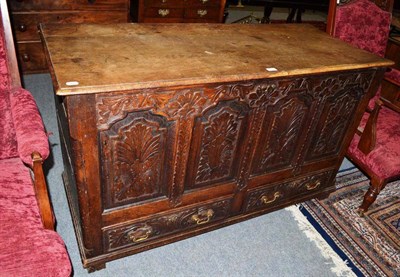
94, 58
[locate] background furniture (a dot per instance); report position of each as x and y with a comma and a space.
190, 11
296, 7
375, 148
190, 132
26, 15
29, 246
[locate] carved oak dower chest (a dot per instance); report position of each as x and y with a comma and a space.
171, 130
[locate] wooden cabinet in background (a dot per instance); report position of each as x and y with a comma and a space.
188, 11
27, 14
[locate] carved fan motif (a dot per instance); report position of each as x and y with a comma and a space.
279, 148
218, 146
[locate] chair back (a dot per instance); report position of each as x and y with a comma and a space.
364, 25
9, 79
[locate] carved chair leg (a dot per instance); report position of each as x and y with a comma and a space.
370, 197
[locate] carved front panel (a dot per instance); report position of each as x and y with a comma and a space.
147, 230
135, 155
284, 125
274, 194
337, 114
216, 144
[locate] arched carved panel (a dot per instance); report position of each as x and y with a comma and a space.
216, 144
336, 116
135, 155
282, 130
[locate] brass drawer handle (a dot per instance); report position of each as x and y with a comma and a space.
265, 199
140, 234
163, 1
201, 13
203, 1
203, 216
26, 57
313, 186
163, 12
22, 28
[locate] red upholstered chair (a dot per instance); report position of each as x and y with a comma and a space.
375, 148
28, 244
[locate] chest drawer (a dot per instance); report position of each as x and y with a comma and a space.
31, 56
25, 5
25, 23
164, 3
202, 13
151, 228
268, 196
164, 13
204, 3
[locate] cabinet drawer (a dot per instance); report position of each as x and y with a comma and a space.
29, 5
164, 12
202, 13
200, 3
270, 195
149, 229
31, 57
164, 3
25, 24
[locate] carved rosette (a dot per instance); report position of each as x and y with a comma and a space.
139, 232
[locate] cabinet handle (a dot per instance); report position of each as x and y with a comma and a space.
140, 234
201, 13
163, 12
203, 216
26, 57
163, 1
313, 186
265, 199
203, 1
22, 28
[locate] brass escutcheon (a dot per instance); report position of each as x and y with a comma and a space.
201, 13
163, 12
313, 186
265, 199
203, 216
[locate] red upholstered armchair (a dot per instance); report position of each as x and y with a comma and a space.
28, 244
375, 148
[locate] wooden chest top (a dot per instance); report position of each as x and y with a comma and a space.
106, 58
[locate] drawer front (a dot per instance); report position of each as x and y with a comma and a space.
164, 13
202, 3
202, 13
164, 3
26, 5
270, 195
31, 57
156, 227
25, 24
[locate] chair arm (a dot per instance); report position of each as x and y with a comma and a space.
28, 124
42, 195
368, 135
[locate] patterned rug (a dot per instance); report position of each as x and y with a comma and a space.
370, 245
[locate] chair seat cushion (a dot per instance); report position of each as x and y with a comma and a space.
384, 159
26, 248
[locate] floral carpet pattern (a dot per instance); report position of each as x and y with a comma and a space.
371, 244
